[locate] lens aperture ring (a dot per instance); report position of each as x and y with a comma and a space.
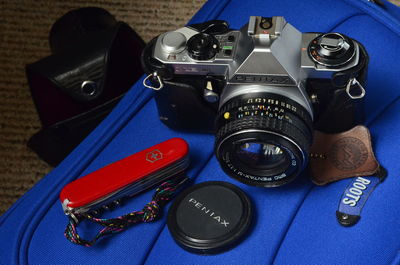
262, 105
270, 106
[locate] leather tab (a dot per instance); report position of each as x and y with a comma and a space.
342, 155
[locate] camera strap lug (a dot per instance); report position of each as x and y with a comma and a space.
351, 85
161, 85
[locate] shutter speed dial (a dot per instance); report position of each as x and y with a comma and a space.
202, 46
331, 49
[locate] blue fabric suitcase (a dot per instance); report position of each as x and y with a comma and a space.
294, 224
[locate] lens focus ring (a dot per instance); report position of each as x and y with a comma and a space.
268, 124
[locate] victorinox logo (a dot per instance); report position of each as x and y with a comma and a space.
154, 155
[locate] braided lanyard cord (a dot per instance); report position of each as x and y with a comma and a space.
149, 213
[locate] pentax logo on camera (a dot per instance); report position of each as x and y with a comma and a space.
268, 79
154, 155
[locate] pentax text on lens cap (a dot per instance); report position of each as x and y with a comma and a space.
210, 217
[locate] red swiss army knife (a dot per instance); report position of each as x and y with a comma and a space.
125, 177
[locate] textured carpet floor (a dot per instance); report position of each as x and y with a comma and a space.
24, 27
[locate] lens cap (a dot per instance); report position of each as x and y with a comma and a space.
210, 217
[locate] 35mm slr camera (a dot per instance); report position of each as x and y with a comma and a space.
262, 90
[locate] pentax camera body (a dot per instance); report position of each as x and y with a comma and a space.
262, 90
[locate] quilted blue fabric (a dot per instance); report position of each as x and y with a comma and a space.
294, 224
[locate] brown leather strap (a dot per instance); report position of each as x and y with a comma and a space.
343, 155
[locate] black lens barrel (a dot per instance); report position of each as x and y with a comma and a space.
263, 118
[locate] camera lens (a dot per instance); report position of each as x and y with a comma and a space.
263, 139
261, 155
